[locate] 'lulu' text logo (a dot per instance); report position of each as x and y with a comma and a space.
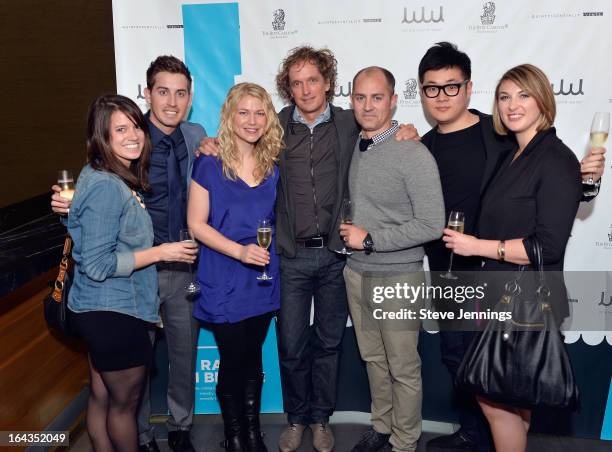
602, 301
488, 13
610, 234
422, 19
570, 90
339, 91
140, 96
278, 23
411, 89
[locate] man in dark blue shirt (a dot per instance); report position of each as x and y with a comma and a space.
168, 95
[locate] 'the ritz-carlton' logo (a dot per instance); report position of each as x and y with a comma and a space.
488, 13
411, 89
278, 24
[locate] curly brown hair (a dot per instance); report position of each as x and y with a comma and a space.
323, 59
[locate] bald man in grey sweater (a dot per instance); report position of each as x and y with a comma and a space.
398, 206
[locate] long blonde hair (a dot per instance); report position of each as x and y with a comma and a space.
267, 148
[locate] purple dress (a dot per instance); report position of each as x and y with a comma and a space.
230, 290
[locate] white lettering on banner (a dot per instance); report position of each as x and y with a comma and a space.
205, 364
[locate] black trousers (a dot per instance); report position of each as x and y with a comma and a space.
454, 345
239, 347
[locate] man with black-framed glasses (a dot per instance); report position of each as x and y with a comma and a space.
468, 153
450, 89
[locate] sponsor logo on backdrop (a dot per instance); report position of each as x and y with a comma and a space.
488, 19
416, 18
423, 18
562, 15
483, 92
409, 97
603, 302
566, 14
488, 14
567, 88
606, 244
411, 89
350, 21
140, 99
175, 26
278, 26
278, 23
340, 90
342, 94
143, 27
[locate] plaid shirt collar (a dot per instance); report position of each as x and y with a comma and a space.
382, 136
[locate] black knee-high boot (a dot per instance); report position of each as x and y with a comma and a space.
252, 406
232, 410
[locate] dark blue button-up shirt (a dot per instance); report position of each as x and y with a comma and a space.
156, 199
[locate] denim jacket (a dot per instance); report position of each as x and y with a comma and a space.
107, 224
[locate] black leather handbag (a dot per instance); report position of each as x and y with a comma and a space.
55, 303
521, 361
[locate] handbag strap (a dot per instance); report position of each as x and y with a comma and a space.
539, 260
543, 292
63, 269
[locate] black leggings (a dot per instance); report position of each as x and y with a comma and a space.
240, 350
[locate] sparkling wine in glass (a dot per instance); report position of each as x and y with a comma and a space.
192, 286
264, 239
456, 222
599, 133
66, 182
346, 215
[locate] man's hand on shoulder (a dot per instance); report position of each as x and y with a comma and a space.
407, 132
208, 146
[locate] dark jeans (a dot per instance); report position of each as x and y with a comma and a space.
239, 347
453, 346
310, 354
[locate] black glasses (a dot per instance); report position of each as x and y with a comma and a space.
450, 89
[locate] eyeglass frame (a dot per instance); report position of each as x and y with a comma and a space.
443, 88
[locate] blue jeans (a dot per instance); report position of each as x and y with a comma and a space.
310, 354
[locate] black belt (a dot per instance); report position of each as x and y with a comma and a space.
312, 242
174, 266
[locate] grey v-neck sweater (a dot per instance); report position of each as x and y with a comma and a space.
397, 197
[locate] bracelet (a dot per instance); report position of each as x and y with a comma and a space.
501, 250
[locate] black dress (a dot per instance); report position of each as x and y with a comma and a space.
535, 196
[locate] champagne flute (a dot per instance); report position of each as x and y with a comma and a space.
599, 133
192, 286
264, 239
346, 215
456, 222
66, 182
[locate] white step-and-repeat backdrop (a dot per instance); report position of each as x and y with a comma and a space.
224, 43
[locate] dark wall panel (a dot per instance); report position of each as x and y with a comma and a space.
55, 57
